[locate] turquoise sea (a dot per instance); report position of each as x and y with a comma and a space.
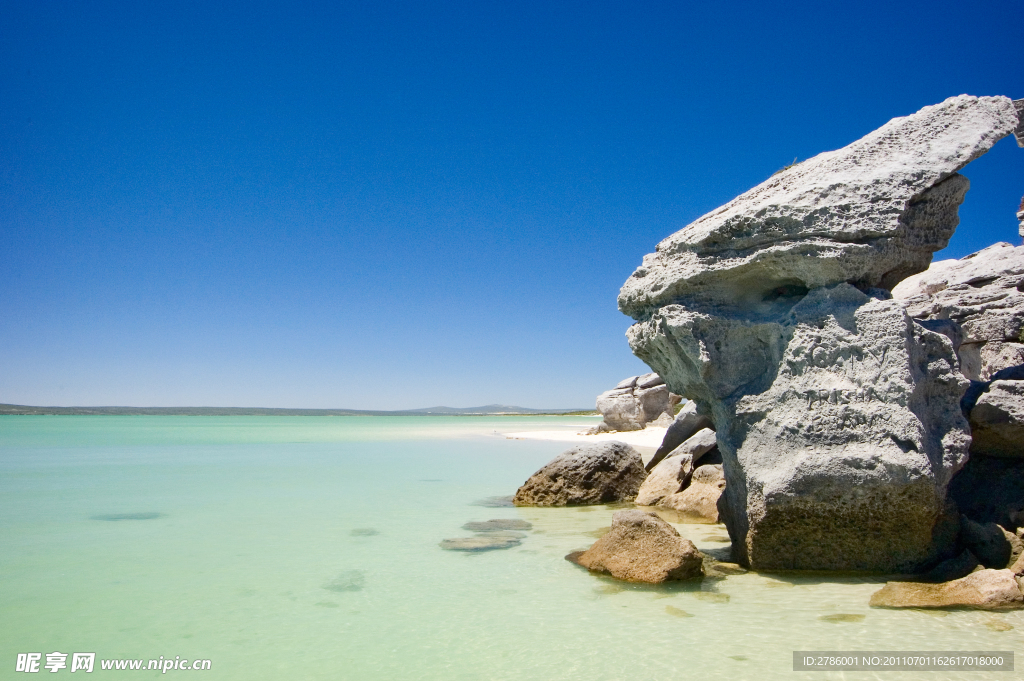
307, 548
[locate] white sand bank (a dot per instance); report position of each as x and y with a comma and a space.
649, 437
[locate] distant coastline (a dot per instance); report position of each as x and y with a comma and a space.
486, 410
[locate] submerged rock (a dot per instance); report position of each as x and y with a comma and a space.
641, 547
114, 517
498, 524
984, 590
837, 414
488, 542
600, 473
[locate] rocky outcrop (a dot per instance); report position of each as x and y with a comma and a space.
636, 402
837, 414
641, 547
685, 425
984, 590
980, 293
589, 474
674, 473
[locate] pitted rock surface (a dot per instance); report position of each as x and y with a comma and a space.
980, 293
588, 474
838, 416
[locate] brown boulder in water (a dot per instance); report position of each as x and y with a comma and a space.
641, 547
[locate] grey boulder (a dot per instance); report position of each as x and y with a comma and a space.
980, 294
634, 403
600, 473
685, 425
641, 547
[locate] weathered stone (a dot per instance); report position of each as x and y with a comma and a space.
687, 423
838, 417
953, 568
498, 525
997, 420
1018, 132
635, 403
666, 478
588, 474
987, 541
711, 474
984, 590
697, 503
641, 547
980, 293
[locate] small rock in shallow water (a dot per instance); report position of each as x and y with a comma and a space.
608, 589
494, 502
998, 625
842, 617
364, 532
350, 580
112, 517
481, 543
498, 524
711, 596
672, 610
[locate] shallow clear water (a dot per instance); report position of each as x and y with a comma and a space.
307, 548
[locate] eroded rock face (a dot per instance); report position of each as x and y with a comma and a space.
980, 293
838, 416
686, 424
984, 590
641, 547
600, 473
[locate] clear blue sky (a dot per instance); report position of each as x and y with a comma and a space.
390, 205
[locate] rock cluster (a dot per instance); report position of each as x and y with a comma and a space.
689, 479
635, 403
641, 547
600, 473
837, 414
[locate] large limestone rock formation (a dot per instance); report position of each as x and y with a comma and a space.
837, 414
636, 402
600, 473
641, 547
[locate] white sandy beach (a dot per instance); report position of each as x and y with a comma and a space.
648, 438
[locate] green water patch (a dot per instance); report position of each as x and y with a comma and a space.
114, 517
364, 532
349, 580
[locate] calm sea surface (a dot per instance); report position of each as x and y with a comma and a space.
307, 548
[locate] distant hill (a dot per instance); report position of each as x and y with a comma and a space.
487, 410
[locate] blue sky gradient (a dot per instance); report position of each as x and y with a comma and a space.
394, 205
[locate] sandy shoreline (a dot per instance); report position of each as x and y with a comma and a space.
649, 438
